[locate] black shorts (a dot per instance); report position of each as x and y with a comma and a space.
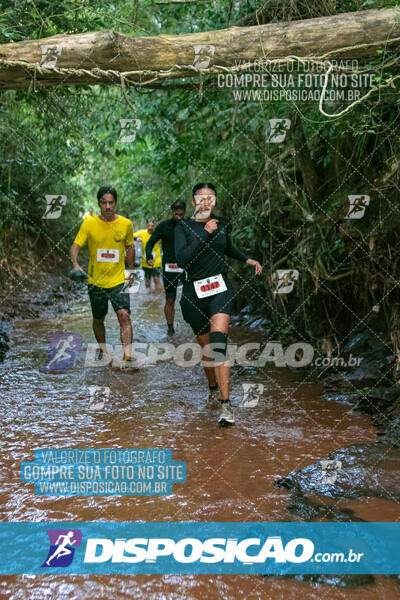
171, 282
149, 273
99, 298
198, 311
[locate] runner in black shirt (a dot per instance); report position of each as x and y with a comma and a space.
201, 244
165, 232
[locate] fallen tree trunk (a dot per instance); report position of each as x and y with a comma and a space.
100, 57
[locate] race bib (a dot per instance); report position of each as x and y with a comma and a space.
172, 268
209, 286
104, 255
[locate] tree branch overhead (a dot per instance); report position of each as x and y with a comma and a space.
100, 57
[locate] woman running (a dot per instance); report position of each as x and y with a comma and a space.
200, 246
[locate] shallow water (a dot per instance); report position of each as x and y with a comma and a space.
230, 471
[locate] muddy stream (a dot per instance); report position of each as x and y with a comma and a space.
230, 471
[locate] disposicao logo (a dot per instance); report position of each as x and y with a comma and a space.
62, 547
191, 550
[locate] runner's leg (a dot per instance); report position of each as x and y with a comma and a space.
204, 341
147, 278
99, 305
195, 313
157, 283
220, 322
125, 325
121, 304
169, 310
170, 282
100, 333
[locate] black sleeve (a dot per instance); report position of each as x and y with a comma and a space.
230, 250
188, 243
155, 236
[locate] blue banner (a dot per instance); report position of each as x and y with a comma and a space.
200, 548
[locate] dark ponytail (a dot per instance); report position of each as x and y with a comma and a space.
199, 186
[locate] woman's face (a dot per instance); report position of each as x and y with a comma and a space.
204, 202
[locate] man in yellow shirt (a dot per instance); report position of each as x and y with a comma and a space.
107, 236
150, 270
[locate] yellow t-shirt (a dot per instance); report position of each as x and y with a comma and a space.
145, 236
107, 241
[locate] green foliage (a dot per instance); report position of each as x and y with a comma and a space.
67, 141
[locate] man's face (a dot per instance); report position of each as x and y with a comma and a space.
107, 205
178, 214
151, 226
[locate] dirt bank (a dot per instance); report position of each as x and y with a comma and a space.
27, 299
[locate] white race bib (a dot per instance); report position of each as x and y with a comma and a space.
104, 255
210, 286
172, 268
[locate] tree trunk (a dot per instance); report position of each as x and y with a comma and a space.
309, 172
99, 57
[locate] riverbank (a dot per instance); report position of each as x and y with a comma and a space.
23, 298
370, 470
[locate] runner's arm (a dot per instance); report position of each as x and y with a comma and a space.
79, 241
74, 251
186, 250
130, 247
130, 256
154, 238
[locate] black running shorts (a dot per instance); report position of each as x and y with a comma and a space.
149, 273
198, 311
99, 298
171, 282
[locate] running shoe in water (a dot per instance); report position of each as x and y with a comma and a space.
226, 417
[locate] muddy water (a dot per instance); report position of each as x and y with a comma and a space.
230, 471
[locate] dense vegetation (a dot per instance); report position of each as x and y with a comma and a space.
287, 201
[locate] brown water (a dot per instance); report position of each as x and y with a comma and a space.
230, 471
